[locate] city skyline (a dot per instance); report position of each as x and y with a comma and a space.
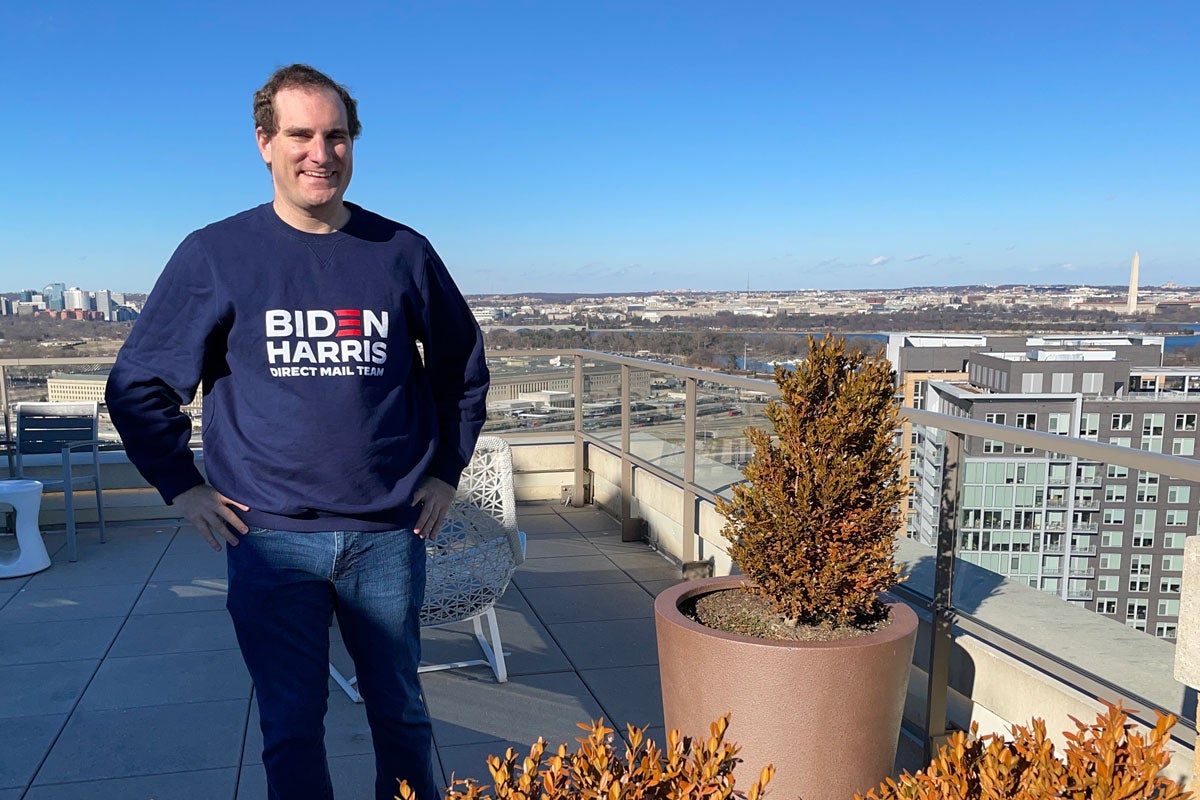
631, 148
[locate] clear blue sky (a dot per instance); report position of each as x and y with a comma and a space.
563, 146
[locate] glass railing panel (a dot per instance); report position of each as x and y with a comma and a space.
723, 413
656, 419
531, 392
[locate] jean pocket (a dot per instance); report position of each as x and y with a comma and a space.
257, 531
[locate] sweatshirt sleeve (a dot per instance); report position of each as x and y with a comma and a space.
159, 369
456, 367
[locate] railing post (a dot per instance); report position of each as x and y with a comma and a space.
630, 530
690, 530
941, 640
580, 487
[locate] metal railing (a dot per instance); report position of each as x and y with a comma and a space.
946, 618
678, 468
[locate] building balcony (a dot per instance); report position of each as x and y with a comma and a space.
108, 659
1085, 527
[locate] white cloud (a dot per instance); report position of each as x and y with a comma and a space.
1069, 267
879, 260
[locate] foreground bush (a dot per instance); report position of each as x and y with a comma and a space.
686, 770
1109, 760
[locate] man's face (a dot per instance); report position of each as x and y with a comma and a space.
311, 156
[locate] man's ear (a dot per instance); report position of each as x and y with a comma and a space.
264, 145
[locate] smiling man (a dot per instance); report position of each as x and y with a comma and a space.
332, 448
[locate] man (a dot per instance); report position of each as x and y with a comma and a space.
332, 445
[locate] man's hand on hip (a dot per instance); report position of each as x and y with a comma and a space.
433, 495
212, 514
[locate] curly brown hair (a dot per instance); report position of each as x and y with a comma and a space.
298, 76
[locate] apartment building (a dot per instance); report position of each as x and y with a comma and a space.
1096, 534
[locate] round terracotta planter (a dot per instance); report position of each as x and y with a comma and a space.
826, 714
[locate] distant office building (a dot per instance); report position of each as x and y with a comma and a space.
76, 298
88, 387
53, 294
124, 314
6, 307
104, 304
1096, 534
27, 295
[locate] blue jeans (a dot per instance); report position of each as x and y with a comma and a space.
284, 587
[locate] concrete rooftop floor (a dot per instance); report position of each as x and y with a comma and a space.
121, 678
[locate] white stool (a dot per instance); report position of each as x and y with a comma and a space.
26, 499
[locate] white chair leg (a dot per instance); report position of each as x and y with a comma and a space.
346, 684
493, 651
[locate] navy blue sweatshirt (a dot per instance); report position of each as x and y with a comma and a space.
318, 411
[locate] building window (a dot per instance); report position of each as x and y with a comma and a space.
1093, 382
1183, 447
1089, 426
1170, 585
1108, 583
1152, 424
1062, 383
1176, 519
1172, 563
1173, 541
1136, 609
1165, 630
1114, 516
993, 446
1059, 422
1110, 561
1112, 538
1031, 382
1118, 471
1168, 608
1122, 422
1106, 605
1027, 420
1179, 494
1185, 422
1114, 494
996, 418
1139, 565
1120, 441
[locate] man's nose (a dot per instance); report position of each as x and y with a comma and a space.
317, 151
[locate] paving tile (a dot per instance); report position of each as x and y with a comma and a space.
628, 695
559, 546
529, 646
169, 678
191, 566
209, 784
468, 707
86, 602
463, 761
49, 688
190, 631
656, 587
588, 603
23, 744
610, 541
589, 520
534, 509
168, 597
65, 640
645, 566
184, 737
608, 643
567, 571
114, 562
543, 524
5, 593
11, 794
346, 730
353, 777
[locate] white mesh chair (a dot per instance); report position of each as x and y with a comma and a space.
62, 429
472, 559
